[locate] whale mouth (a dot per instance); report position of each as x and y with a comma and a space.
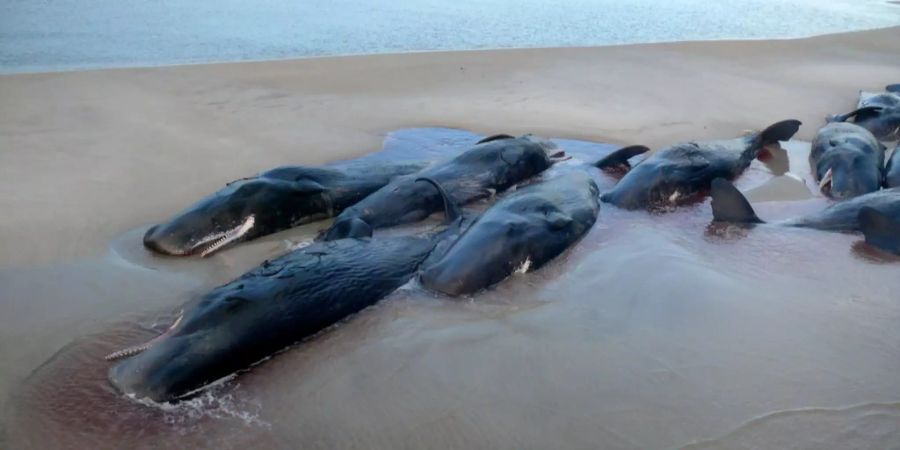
215, 242
135, 349
825, 183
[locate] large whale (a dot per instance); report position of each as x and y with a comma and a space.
524, 230
272, 201
493, 165
682, 173
846, 160
880, 114
729, 205
266, 310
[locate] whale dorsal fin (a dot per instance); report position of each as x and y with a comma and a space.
618, 159
495, 137
729, 205
880, 231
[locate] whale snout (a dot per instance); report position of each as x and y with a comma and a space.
156, 241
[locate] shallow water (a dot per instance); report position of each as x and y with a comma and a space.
77, 34
655, 331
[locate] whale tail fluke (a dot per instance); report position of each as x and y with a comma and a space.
495, 137
779, 131
893, 88
880, 230
451, 209
729, 205
618, 160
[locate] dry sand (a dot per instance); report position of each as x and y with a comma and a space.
88, 155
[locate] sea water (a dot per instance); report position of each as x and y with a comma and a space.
80, 34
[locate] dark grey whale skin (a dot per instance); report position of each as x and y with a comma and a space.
682, 173
535, 224
278, 199
493, 165
267, 309
729, 205
854, 156
892, 171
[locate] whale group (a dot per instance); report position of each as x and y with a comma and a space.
533, 217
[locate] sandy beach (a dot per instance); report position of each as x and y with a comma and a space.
89, 157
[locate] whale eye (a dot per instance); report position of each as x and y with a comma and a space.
232, 303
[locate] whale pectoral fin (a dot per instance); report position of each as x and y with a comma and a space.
880, 231
729, 205
558, 220
308, 187
893, 88
779, 131
618, 160
494, 137
451, 209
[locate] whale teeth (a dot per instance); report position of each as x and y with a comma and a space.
826, 180
134, 350
124, 353
215, 242
230, 236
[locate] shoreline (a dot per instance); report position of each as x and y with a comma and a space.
93, 154
438, 51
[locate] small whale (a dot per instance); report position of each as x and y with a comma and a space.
682, 173
523, 231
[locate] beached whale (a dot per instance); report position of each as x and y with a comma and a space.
272, 201
494, 164
729, 205
846, 160
523, 231
892, 170
269, 308
682, 173
879, 113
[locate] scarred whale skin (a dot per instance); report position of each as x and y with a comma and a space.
267, 309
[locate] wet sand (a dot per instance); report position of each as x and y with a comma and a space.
655, 332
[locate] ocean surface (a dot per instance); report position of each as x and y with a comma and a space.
43, 35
